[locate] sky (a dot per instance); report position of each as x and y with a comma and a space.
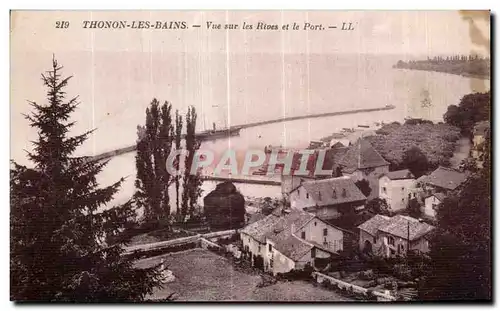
118, 71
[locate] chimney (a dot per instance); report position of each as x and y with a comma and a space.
344, 193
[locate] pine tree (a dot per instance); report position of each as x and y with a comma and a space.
153, 178
60, 237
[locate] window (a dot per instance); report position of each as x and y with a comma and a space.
259, 248
319, 195
298, 191
325, 232
307, 195
402, 188
324, 241
402, 199
271, 263
315, 223
303, 235
270, 248
414, 195
390, 240
313, 252
374, 240
384, 189
393, 252
334, 195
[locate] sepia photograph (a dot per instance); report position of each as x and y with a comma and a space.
250, 156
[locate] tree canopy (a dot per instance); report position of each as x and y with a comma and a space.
461, 248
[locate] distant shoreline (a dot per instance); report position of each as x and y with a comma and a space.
465, 66
465, 74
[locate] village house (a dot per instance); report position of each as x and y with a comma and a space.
290, 239
327, 198
393, 236
441, 180
478, 139
397, 188
431, 203
362, 161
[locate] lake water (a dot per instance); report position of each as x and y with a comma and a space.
237, 89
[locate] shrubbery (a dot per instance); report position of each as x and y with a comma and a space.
436, 141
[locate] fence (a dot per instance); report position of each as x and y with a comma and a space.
185, 240
320, 277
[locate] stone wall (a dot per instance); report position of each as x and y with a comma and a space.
319, 278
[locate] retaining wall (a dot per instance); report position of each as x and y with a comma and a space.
320, 277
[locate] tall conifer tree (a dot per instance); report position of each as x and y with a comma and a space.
60, 237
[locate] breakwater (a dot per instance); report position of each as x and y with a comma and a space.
243, 180
316, 115
119, 151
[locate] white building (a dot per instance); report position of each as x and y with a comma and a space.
431, 203
287, 240
397, 188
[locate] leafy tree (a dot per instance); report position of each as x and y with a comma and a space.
471, 109
461, 249
378, 206
414, 208
60, 237
416, 161
153, 178
364, 187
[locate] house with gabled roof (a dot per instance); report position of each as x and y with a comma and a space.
397, 188
362, 161
442, 179
327, 198
431, 203
394, 236
290, 239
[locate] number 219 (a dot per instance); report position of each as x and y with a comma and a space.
62, 24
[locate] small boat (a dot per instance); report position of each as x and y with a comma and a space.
364, 126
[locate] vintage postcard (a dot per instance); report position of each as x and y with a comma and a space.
339, 156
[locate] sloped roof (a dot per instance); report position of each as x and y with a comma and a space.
293, 247
258, 229
444, 178
333, 191
361, 155
371, 226
401, 174
440, 196
398, 226
282, 234
333, 156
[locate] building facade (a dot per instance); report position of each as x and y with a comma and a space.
394, 236
280, 243
327, 198
397, 188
